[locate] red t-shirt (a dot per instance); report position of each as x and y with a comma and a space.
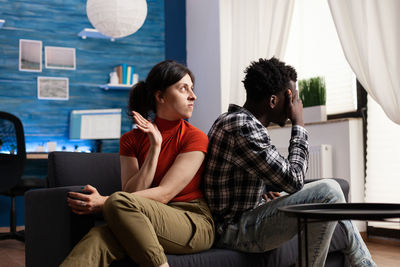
178, 137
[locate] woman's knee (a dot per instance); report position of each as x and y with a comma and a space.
117, 201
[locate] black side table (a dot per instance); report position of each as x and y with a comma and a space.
308, 213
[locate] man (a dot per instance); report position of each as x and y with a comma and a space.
243, 166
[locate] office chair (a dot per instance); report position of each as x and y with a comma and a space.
12, 163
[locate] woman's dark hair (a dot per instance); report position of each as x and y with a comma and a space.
160, 77
267, 77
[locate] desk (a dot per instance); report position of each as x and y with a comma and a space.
308, 213
37, 155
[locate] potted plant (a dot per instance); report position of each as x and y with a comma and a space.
313, 94
13, 149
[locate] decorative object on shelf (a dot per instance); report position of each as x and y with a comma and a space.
118, 18
122, 78
114, 78
30, 55
93, 33
51, 146
40, 148
2, 21
312, 93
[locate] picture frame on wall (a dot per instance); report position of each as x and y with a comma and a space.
30, 55
60, 58
52, 88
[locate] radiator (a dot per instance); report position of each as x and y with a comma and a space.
320, 161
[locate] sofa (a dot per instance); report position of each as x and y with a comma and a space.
52, 230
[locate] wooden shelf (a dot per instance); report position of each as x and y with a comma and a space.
110, 86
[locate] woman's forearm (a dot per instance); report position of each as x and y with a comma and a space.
176, 179
144, 177
158, 193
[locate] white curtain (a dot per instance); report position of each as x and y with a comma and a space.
369, 32
250, 30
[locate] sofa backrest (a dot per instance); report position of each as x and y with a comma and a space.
101, 170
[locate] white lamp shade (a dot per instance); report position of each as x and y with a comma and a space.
116, 18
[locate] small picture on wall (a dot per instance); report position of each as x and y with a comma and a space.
30, 55
60, 58
52, 88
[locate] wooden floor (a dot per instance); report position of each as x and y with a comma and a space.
385, 253
12, 252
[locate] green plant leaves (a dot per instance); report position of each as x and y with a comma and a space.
312, 91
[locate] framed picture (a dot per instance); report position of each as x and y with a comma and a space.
60, 58
52, 88
30, 55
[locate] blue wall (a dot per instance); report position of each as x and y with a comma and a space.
175, 30
57, 23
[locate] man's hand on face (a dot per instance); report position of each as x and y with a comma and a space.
294, 107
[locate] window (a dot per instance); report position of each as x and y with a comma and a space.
383, 169
314, 49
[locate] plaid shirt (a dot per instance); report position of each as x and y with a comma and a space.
242, 165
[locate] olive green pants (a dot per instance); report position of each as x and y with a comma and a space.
144, 230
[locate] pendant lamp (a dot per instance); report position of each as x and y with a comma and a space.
116, 18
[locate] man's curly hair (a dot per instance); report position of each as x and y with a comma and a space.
267, 77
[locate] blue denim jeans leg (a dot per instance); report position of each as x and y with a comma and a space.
357, 252
265, 227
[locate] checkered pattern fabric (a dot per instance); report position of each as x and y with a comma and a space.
242, 165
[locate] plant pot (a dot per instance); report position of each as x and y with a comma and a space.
314, 114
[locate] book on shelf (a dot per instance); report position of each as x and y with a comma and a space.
126, 74
129, 74
118, 70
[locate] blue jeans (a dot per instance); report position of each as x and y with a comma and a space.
265, 227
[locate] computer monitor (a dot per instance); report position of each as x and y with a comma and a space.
95, 124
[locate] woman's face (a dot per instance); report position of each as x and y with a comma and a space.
177, 101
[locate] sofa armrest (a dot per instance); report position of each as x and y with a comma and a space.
51, 229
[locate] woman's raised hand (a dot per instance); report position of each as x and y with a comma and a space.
148, 127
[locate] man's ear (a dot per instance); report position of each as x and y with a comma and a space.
273, 101
159, 96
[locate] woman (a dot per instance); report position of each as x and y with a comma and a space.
161, 207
